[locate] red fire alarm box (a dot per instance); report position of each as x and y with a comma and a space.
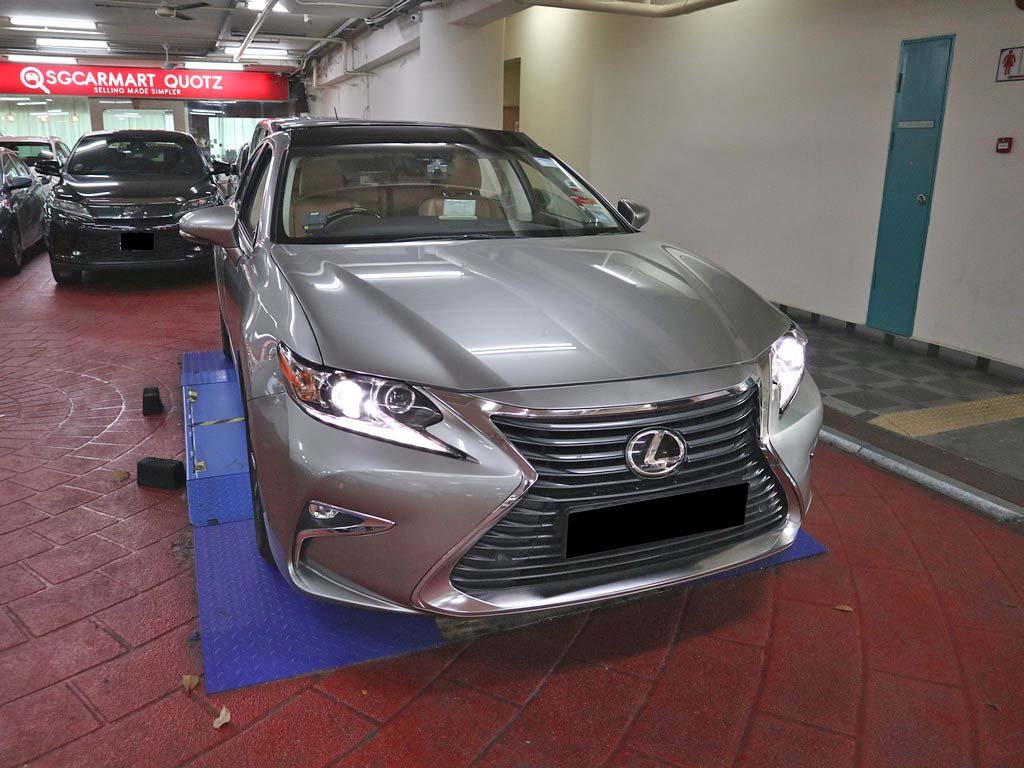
1004, 145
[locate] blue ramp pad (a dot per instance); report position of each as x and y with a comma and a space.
216, 500
256, 629
216, 450
207, 367
207, 403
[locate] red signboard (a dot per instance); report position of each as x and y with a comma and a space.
141, 82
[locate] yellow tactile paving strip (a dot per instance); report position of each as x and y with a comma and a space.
930, 421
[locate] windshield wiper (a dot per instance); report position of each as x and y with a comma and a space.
453, 236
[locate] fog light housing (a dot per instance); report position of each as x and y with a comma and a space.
323, 512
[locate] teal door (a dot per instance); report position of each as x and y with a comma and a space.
909, 179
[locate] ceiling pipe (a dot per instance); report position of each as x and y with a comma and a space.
627, 8
254, 29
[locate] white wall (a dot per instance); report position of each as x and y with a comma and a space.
758, 133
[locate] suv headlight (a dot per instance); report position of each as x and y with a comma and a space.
70, 208
381, 408
199, 202
788, 365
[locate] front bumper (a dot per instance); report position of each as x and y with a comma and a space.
97, 244
440, 507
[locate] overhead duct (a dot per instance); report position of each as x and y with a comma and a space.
627, 8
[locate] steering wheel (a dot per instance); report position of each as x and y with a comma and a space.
344, 213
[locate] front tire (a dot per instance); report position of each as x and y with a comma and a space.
12, 257
64, 276
259, 523
225, 340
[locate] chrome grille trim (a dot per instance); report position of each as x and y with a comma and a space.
435, 592
525, 549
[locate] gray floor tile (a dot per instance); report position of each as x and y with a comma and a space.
967, 389
999, 446
861, 375
874, 400
826, 382
915, 393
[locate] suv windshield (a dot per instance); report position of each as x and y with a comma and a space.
396, 192
29, 151
136, 156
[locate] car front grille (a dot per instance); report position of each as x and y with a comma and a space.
580, 462
102, 245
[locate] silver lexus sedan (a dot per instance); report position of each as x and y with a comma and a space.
474, 387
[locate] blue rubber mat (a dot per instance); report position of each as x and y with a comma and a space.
206, 367
256, 629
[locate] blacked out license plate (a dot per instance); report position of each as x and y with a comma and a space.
136, 241
643, 522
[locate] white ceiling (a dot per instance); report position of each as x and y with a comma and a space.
135, 33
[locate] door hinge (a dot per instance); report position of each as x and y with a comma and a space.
899, 82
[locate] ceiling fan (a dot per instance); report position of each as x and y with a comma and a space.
167, 11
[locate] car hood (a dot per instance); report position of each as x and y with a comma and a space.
102, 190
507, 314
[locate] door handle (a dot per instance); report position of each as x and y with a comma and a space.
921, 199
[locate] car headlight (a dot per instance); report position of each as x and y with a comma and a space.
70, 208
381, 408
199, 202
788, 365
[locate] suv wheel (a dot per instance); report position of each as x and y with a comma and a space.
66, 276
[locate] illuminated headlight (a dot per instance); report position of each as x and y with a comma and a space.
199, 202
70, 208
380, 408
788, 365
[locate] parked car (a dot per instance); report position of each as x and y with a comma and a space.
474, 387
21, 212
119, 199
32, 149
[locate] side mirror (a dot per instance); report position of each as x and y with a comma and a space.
210, 225
633, 212
19, 182
228, 169
48, 167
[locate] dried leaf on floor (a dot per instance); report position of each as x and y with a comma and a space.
120, 475
223, 718
843, 608
993, 705
189, 682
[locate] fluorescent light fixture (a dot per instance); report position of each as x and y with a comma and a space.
58, 23
258, 53
56, 111
519, 349
12, 98
31, 103
115, 101
214, 65
63, 42
259, 5
204, 112
27, 58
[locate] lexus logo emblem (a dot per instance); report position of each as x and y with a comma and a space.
655, 452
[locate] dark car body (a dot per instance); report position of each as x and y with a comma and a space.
32, 149
118, 207
22, 202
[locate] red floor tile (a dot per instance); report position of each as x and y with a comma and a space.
825, 579
17, 581
577, 718
248, 705
871, 534
41, 722
633, 638
159, 736
154, 612
46, 660
68, 602
153, 564
18, 515
41, 478
994, 669
814, 667
309, 731
17, 545
10, 633
777, 743
700, 706
914, 724
448, 724
59, 499
81, 556
737, 609
513, 665
73, 524
128, 682
378, 689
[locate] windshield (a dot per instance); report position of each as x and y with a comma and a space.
396, 192
29, 151
136, 156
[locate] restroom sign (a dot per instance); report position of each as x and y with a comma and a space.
1011, 64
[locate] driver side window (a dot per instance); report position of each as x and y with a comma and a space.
255, 192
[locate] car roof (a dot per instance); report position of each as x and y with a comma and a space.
44, 139
150, 133
353, 131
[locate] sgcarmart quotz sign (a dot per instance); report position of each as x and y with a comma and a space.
141, 82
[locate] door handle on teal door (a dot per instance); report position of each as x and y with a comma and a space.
922, 199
